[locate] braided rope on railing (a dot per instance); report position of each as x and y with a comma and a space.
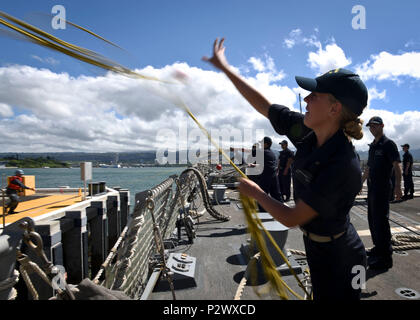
130, 271
205, 195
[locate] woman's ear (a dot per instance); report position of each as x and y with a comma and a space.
336, 108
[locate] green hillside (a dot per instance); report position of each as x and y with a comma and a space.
39, 162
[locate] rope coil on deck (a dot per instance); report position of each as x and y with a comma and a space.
405, 242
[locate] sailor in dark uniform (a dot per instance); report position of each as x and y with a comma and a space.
268, 179
326, 174
408, 173
383, 158
285, 170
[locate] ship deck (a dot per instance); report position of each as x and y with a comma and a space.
220, 264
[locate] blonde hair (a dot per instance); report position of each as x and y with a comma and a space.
349, 122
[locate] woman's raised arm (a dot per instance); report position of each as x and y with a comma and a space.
255, 98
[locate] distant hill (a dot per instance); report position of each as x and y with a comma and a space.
107, 157
38, 162
127, 157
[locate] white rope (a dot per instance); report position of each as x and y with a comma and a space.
10, 283
244, 279
405, 242
297, 252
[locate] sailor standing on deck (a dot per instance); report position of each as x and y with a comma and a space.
326, 173
285, 173
268, 179
383, 157
15, 185
408, 173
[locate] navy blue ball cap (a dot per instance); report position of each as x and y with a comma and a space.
344, 85
267, 140
375, 120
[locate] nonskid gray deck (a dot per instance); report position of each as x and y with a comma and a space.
221, 265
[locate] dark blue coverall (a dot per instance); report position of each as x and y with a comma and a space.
327, 179
381, 156
408, 178
267, 180
284, 180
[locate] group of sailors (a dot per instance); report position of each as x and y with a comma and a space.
326, 175
276, 177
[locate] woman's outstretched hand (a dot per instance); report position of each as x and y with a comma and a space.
255, 98
218, 59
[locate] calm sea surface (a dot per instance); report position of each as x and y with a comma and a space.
133, 179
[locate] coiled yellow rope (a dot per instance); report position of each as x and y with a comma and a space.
255, 226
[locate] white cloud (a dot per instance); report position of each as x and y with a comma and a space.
410, 43
322, 60
401, 128
387, 66
57, 112
48, 60
374, 94
267, 71
296, 38
5, 111
257, 64
289, 43
331, 58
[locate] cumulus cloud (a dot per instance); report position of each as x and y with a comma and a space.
5, 111
257, 63
57, 112
331, 57
266, 70
296, 37
387, 66
322, 60
401, 128
374, 94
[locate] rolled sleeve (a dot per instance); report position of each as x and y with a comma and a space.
287, 122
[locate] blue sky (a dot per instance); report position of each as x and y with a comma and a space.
276, 39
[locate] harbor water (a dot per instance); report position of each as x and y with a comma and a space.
133, 179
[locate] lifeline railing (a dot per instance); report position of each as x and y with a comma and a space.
135, 255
